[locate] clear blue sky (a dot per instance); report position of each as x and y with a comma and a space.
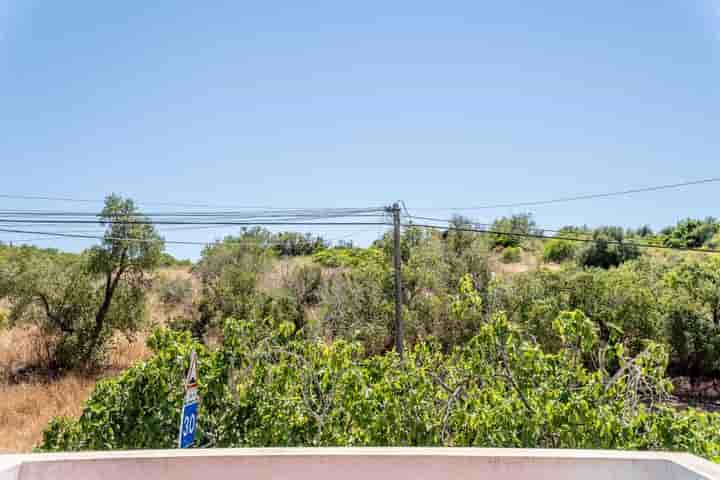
324, 104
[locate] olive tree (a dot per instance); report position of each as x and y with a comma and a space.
78, 301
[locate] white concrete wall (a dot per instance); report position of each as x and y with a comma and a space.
357, 464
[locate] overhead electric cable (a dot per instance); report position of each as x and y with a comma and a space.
180, 222
579, 197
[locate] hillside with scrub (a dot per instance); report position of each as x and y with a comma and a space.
593, 338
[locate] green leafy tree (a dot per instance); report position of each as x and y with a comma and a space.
81, 299
608, 249
500, 389
519, 224
559, 251
692, 233
698, 282
295, 244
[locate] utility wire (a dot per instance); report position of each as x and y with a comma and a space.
45, 236
98, 237
305, 212
172, 242
443, 220
181, 222
571, 239
579, 197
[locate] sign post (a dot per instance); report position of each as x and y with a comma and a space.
188, 419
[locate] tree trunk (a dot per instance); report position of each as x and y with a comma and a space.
111, 284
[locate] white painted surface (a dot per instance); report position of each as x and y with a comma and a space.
357, 464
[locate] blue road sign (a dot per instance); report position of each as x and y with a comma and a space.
188, 419
188, 424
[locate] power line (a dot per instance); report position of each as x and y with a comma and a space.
443, 220
222, 213
181, 222
570, 239
172, 242
98, 237
580, 197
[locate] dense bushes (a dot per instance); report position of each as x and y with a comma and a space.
559, 251
293, 244
521, 224
608, 249
553, 357
348, 257
266, 386
691, 233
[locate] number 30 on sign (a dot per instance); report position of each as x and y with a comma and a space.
188, 419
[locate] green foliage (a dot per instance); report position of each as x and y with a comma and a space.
348, 257
81, 299
511, 255
271, 388
295, 244
168, 261
559, 251
357, 305
608, 249
692, 300
570, 358
229, 271
139, 408
622, 302
691, 233
522, 224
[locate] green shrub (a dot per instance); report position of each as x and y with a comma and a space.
691, 233
498, 390
607, 249
511, 255
295, 244
168, 261
520, 224
357, 305
559, 251
348, 257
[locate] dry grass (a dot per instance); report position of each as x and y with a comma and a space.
274, 278
528, 262
26, 408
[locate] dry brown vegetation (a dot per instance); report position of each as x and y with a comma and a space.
25, 409
27, 406
159, 312
30, 398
